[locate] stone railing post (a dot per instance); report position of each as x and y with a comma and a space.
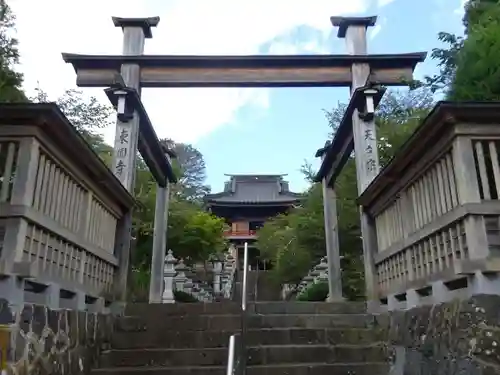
302, 286
228, 275
196, 291
201, 293
227, 284
168, 278
188, 286
223, 281
217, 277
322, 269
323, 273
204, 295
180, 279
309, 279
315, 274
286, 290
210, 293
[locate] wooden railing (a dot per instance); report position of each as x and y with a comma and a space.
428, 198
436, 215
432, 194
60, 210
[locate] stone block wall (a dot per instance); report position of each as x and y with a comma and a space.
455, 338
37, 340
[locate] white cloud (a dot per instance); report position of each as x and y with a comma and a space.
460, 9
374, 32
383, 3
47, 28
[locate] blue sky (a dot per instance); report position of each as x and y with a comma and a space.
237, 130
279, 138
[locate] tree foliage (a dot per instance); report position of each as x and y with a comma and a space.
468, 64
474, 11
446, 58
10, 80
193, 234
192, 170
87, 115
477, 73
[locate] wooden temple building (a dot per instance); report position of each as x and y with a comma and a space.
246, 203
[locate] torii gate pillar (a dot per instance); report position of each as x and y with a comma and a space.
135, 31
353, 29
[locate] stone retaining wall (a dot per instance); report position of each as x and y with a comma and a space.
455, 338
40, 341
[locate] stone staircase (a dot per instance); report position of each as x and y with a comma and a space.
282, 339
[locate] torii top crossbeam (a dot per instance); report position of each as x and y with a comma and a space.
244, 71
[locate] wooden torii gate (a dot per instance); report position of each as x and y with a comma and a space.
354, 70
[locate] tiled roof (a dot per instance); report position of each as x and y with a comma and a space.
255, 189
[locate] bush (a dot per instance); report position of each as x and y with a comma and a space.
315, 293
184, 297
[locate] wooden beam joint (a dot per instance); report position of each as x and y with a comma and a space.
364, 99
126, 102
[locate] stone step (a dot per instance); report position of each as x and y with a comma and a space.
176, 309
304, 336
267, 336
287, 369
233, 322
318, 369
257, 355
226, 308
183, 323
308, 308
310, 321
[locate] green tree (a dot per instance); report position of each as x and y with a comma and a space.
10, 80
87, 115
446, 58
200, 237
193, 234
467, 64
477, 74
474, 11
277, 241
193, 171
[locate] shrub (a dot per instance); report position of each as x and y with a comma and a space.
184, 297
315, 293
